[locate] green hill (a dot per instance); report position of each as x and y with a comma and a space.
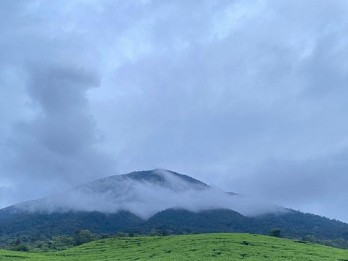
189, 247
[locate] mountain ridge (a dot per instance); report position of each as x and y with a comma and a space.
145, 193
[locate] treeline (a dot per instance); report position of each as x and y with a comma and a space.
82, 236
41, 231
41, 243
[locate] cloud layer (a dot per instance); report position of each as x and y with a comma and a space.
246, 96
145, 198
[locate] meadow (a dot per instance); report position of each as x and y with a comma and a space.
188, 247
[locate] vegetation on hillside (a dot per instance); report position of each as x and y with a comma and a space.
189, 247
57, 231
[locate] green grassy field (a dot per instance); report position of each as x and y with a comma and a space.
189, 247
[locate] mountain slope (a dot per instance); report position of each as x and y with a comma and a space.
145, 193
293, 224
158, 176
162, 202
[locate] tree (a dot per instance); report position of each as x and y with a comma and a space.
274, 232
82, 236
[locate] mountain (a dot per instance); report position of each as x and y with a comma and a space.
161, 177
159, 201
145, 193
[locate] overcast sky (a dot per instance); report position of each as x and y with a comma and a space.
248, 96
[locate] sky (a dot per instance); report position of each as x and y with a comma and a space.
247, 96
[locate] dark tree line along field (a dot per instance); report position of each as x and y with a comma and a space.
34, 227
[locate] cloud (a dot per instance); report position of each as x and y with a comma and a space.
60, 145
317, 184
218, 89
146, 198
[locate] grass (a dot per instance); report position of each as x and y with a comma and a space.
189, 247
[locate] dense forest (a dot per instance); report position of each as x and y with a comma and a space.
61, 230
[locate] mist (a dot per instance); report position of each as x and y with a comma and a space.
145, 199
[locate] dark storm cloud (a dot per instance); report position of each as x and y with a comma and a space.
49, 139
245, 95
58, 146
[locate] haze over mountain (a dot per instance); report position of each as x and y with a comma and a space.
159, 202
145, 193
248, 96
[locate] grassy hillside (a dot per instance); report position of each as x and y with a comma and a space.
189, 247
